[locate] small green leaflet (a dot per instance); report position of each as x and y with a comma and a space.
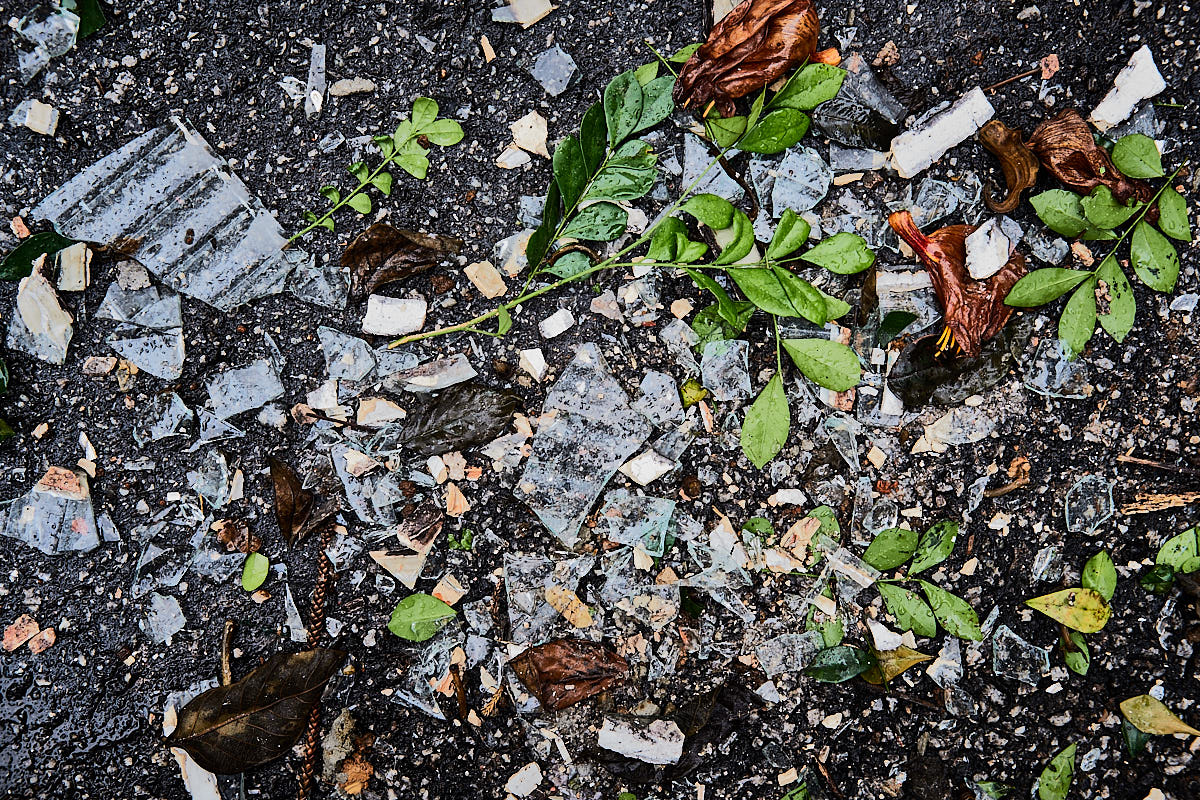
568, 265
890, 548
893, 324
830, 364
811, 86
1181, 552
1154, 258
779, 292
424, 111
419, 617
1043, 285
19, 262
775, 132
1100, 575
1137, 156
1172, 215
685, 52
600, 222
953, 613
622, 107
1119, 309
443, 132
790, 233
1104, 211
360, 202
254, 571
1055, 780
1080, 609
1062, 212
911, 612
838, 664
843, 253
1078, 658
767, 423
1078, 320
935, 546
1135, 740
383, 182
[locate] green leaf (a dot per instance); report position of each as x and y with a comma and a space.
360, 202
405, 133
1154, 258
1055, 780
1181, 552
715, 212
1137, 156
736, 241
726, 131
627, 176
1158, 579
593, 136
1100, 575
1043, 285
419, 617
424, 111
386, 145
91, 16
539, 241
570, 172
779, 292
830, 364
1173, 216
1080, 658
775, 132
657, 103
1078, 320
1105, 211
811, 86
330, 193
622, 107
1061, 210
646, 72
835, 307
685, 52
953, 613
839, 664
254, 571
935, 546
1117, 315
503, 326
843, 253
360, 171
1135, 740
569, 265
1150, 715
790, 233
415, 164
6, 431
1080, 609
19, 262
911, 612
725, 306
829, 523
994, 789
383, 182
890, 548
767, 423
444, 132
600, 222
893, 324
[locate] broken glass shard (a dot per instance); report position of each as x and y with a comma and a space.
659, 401
346, 357
235, 391
1089, 503
166, 199
51, 30
843, 433
532, 620
1047, 248
55, 516
862, 85
635, 520
679, 339
158, 353
1015, 658
789, 652
802, 179
700, 172
211, 479
326, 285
291, 617
213, 429
588, 431
725, 369
554, 69
431, 674
40, 325
947, 670
432, 376
1052, 373
853, 159
314, 93
1047, 565
164, 618
167, 416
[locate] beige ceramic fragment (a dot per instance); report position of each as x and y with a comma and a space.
486, 278
567, 603
456, 503
22, 630
449, 590
529, 134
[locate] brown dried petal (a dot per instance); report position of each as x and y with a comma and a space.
562, 672
974, 310
382, 254
293, 503
1065, 146
754, 45
1019, 164
236, 536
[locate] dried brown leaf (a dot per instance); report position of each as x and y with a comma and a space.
293, 503
753, 46
236, 536
1065, 146
382, 254
232, 728
974, 310
1019, 164
562, 672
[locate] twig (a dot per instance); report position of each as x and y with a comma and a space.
459, 692
325, 579
1145, 462
1149, 503
1000, 491
828, 780
1007, 81
573, 248
226, 660
321, 415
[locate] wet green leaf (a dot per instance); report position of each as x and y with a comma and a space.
1080, 609
890, 548
443, 132
1154, 258
359, 202
91, 16
935, 546
911, 612
835, 307
736, 241
657, 103
829, 523
622, 107
1043, 285
1055, 780
1149, 715
1100, 575
1173, 216
1158, 579
419, 617
19, 262
1080, 658
830, 364
790, 233
892, 663
254, 571
628, 175
779, 292
726, 307
952, 613
646, 72
540, 240
593, 137
725, 132
600, 222
568, 265
767, 423
843, 253
1181, 552
715, 212
893, 324
775, 132
1078, 320
685, 52
570, 172
1117, 317
1135, 740
811, 86
1062, 211
1137, 156
839, 664
1105, 211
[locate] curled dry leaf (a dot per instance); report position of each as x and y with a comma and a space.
382, 254
756, 43
463, 416
236, 536
1018, 163
232, 728
295, 506
974, 310
562, 672
1065, 146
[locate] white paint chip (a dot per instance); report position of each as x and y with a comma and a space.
394, 316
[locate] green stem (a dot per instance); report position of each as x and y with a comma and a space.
666, 63
1129, 228
778, 353
342, 202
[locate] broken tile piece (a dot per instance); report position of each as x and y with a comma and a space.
19, 632
653, 741
533, 362
235, 391
916, 150
394, 316
525, 780
529, 134
486, 278
74, 267
35, 115
40, 325
557, 323
522, 12
554, 69
55, 516
1138, 81
647, 467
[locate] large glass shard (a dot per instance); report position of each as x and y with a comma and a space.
171, 202
213, 429
424, 680
158, 353
588, 431
635, 520
861, 84
164, 618
659, 401
963, 425
167, 416
802, 179
705, 176
244, 389
725, 369
554, 69
1015, 658
843, 433
51, 30
532, 620
679, 339
1052, 373
789, 652
858, 573
1089, 502
325, 285
55, 516
346, 357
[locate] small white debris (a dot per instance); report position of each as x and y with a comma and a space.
647, 467
374, 412
437, 469
522, 12
1138, 81
884, 638
557, 323
349, 86
486, 278
533, 362
529, 134
35, 115
524, 780
988, 250
877, 457
359, 464
394, 316
832, 721
788, 497
916, 150
74, 267
658, 742
512, 157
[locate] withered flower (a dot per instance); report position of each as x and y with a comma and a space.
1065, 146
562, 672
1019, 164
757, 43
974, 310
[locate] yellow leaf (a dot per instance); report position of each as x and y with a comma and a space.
567, 603
1149, 715
1080, 609
892, 663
